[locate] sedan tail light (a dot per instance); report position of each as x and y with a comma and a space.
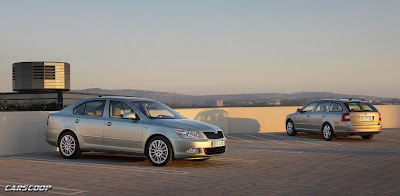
346, 117
380, 118
48, 117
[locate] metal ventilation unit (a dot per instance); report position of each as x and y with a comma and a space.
41, 76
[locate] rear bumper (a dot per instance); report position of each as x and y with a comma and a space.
206, 149
51, 136
358, 130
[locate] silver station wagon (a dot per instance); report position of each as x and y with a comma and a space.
132, 126
336, 117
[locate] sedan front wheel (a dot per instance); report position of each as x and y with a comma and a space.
159, 151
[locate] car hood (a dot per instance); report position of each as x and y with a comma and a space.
186, 124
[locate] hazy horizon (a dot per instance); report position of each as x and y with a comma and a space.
355, 94
210, 47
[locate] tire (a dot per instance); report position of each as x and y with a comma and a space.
290, 130
367, 137
328, 132
69, 146
159, 151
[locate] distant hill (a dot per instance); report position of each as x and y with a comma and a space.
261, 99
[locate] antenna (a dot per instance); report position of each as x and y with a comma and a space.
353, 94
95, 90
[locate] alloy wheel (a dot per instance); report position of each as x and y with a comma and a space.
67, 145
158, 151
327, 131
289, 127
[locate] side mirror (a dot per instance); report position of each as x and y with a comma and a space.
131, 116
299, 110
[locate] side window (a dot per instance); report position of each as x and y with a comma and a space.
94, 108
322, 106
309, 107
78, 110
118, 109
336, 107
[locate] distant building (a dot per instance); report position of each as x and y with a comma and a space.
220, 103
40, 86
41, 76
40, 101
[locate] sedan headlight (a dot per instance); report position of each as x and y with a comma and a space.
189, 134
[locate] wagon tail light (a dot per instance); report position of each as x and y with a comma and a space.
48, 117
346, 117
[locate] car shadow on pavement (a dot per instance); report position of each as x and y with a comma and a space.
337, 139
121, 159
98, 158
312, 137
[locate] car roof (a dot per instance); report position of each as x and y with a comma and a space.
129, 99
345, 100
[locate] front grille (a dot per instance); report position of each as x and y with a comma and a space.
212, 135
216, 150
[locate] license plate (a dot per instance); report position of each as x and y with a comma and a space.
218, 143
365, 118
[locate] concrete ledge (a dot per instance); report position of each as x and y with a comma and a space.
267, 119
24, 132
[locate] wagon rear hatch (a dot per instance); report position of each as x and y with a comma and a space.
363, 113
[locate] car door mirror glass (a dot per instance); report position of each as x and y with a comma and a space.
299, 110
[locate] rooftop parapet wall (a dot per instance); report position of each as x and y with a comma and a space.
24, 132
267, 119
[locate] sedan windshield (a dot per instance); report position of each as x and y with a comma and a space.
155, 110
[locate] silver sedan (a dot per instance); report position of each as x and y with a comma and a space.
136, 126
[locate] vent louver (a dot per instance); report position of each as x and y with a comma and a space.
47, 72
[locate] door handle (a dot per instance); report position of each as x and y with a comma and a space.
109, 124
76, 121
323, 115
308, 115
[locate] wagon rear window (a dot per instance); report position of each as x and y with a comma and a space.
360, 107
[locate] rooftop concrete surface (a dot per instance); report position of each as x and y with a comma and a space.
255, 164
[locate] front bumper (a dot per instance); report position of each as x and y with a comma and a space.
206, 149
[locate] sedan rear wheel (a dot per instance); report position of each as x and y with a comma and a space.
290, 130
69, 146
327, 132
159, 151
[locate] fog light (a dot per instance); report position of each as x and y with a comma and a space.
193, 150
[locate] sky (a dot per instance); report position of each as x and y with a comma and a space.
210, 47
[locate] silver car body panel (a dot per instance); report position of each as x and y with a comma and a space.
102, 133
